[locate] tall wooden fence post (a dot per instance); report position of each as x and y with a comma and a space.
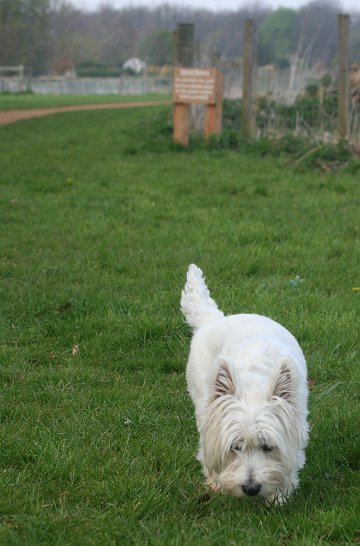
343, 77
183, 56
184, 44
247, 114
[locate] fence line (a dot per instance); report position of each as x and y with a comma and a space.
87, 86
270, 81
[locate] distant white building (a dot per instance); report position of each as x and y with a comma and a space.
135, 64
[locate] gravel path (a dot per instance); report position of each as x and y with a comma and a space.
12, 116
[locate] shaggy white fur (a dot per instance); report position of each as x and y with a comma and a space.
247, 378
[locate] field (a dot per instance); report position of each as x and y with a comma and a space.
100, 216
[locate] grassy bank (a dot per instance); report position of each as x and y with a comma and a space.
100, 218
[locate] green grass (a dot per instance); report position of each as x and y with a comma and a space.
28, 100
100, 216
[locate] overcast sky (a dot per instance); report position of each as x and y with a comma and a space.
348, 5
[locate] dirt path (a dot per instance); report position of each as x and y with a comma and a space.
12, 116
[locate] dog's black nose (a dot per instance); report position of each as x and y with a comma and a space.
251, 489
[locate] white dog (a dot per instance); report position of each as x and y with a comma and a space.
246, 376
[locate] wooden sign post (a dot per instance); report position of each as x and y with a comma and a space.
197, 86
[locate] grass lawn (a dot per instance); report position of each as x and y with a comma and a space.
28, 100
100, 217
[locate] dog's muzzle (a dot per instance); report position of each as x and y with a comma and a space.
251, 489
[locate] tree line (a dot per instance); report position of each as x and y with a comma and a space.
52, 36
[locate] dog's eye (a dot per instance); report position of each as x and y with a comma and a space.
236, 447
267, 448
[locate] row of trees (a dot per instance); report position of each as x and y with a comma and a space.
24, 32
52, 36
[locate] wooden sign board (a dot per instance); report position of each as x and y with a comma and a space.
197, 86
194, 85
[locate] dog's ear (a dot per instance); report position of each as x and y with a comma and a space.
224, 382
282, 384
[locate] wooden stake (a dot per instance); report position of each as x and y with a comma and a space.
181, 124
213, 119
248, 121
343, 77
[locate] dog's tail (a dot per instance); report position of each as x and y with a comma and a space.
196, 304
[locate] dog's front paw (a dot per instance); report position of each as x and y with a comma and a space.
214, 486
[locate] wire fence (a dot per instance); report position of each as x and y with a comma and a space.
301, 98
